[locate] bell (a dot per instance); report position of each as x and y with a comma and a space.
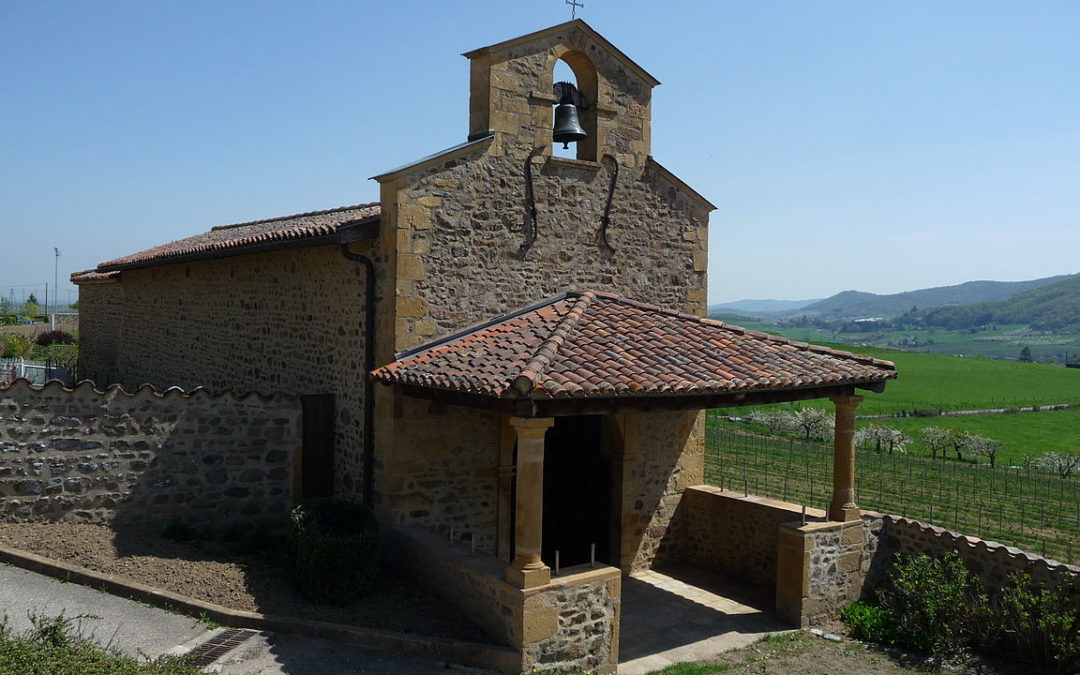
567, 129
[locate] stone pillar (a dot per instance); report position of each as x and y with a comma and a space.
528, 570
842, 507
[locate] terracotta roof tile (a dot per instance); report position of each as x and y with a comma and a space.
258, 232
93, 277
596, 344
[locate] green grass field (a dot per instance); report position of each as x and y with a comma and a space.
1004, 341
955, 383
1024, 434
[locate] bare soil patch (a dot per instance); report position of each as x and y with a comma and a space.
224, 574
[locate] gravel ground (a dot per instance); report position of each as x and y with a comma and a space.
220, 573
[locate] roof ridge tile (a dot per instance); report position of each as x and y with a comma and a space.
534, 369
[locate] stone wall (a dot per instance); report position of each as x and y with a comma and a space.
992, 562
454, 224
736, 535
81, 455
663, 457
570, 624
287, 321
576, 619
445, 473
101, 317
822, 567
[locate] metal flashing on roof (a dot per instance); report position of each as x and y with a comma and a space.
441, 156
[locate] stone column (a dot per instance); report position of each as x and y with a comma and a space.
842, 507
528, 570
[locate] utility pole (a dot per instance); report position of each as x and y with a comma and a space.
56, 286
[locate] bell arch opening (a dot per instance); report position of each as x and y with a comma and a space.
575, 67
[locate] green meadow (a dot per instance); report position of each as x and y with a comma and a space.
1003, 341
935, 381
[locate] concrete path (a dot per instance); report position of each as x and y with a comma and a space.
140, 630
685, 614
133, 628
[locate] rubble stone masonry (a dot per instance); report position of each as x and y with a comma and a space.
288, 321
88, 456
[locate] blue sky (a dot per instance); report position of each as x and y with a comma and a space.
847, 144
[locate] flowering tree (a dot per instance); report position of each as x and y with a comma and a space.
1063, 463
937, 439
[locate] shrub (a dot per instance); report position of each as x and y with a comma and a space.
54, 337
334, 547
13, 346
933, 602
870, 623
1041, 625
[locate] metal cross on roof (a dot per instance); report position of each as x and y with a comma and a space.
573, 8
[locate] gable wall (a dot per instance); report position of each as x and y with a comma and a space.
452, 230
101, 322
288, 321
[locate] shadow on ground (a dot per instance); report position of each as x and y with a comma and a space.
686, 614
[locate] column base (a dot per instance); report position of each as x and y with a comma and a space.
844, 513
528, 576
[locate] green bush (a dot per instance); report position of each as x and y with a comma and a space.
937, 605
870, 622
1040, 625
334, 548
933, 602
13, 346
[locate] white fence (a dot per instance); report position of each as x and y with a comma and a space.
37, 372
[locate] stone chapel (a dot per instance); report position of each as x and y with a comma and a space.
506, 356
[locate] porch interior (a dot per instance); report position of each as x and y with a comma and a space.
683, 613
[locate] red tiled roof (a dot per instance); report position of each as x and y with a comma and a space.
93, 277
596, 344
243, 235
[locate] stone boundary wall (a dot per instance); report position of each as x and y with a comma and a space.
570, 624
992, 562
735, 534
83, 455
824, 566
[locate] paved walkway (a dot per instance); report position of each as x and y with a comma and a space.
140, 630
685, 614
132, 627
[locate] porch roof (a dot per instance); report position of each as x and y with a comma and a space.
598, 352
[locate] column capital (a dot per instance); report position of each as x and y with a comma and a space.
532, 427
846, 400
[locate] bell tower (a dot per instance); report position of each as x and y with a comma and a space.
513, 94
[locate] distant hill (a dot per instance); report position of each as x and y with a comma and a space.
857, 304
753, 307
1049, 307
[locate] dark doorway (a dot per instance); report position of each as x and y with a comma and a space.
577, 492
317, 458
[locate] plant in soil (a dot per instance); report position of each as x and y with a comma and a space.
334, 549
